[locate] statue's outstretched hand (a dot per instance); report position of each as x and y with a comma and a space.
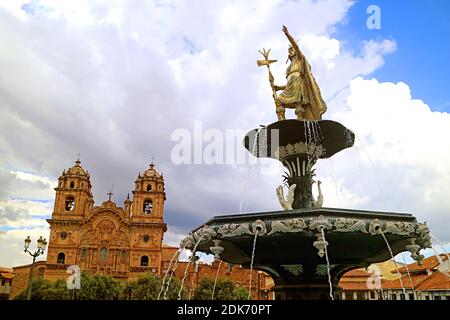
285, 30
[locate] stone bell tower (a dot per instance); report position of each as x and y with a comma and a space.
146, 212
73, 202
148, 197
73, 194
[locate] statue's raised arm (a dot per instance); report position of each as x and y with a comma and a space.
292, 41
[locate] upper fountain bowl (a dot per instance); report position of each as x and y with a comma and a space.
321, 139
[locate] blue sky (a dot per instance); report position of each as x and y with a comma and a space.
422, 32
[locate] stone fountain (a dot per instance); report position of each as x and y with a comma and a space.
306, 248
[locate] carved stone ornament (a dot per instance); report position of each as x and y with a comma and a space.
206, 232
320, 244
230, 230
217, 249
415, 251
286, 226
260, 227
423, 235
401, 228
350, 225
320, 223
310, 149
294, 269
188, 242
375, 227
322, 269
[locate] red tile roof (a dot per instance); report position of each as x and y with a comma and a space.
416, 279
354, 285
437, 281
6, 273
428, 263
357, 273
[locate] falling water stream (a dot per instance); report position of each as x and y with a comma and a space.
381, 289
333, 174
168, 270
192, 282
172, 273
371, 163
215, 280
194, 250
409, 276
251, 265
247, 180
444, 251
328, 265
395, 263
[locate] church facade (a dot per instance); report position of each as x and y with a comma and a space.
118, 241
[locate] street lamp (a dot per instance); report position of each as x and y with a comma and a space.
41, 245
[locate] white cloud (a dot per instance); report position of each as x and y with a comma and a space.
401, 151
12, 245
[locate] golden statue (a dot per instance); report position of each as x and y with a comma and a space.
301, 91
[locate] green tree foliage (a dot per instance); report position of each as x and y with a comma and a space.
148, 287
99, 287
40, 287
225, 290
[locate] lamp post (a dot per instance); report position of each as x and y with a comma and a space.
41, 245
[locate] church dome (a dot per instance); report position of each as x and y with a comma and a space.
151, 172
77, 169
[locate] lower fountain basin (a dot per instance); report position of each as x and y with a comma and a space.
290, 245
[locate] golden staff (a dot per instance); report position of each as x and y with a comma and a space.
267, 62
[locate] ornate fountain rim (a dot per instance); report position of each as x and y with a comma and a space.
311, 221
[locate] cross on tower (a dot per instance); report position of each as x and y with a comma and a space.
78, 159
110, 193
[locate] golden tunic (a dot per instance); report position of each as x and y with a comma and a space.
302, 89
294, 93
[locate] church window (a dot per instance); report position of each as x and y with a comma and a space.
149, 187
82, 185
146, 238
70, 203
84, 253
103, 254
72, 184
148, 206
144, 261
63, 235
61, 258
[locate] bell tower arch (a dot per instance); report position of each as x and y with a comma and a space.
149, 196
73, 193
